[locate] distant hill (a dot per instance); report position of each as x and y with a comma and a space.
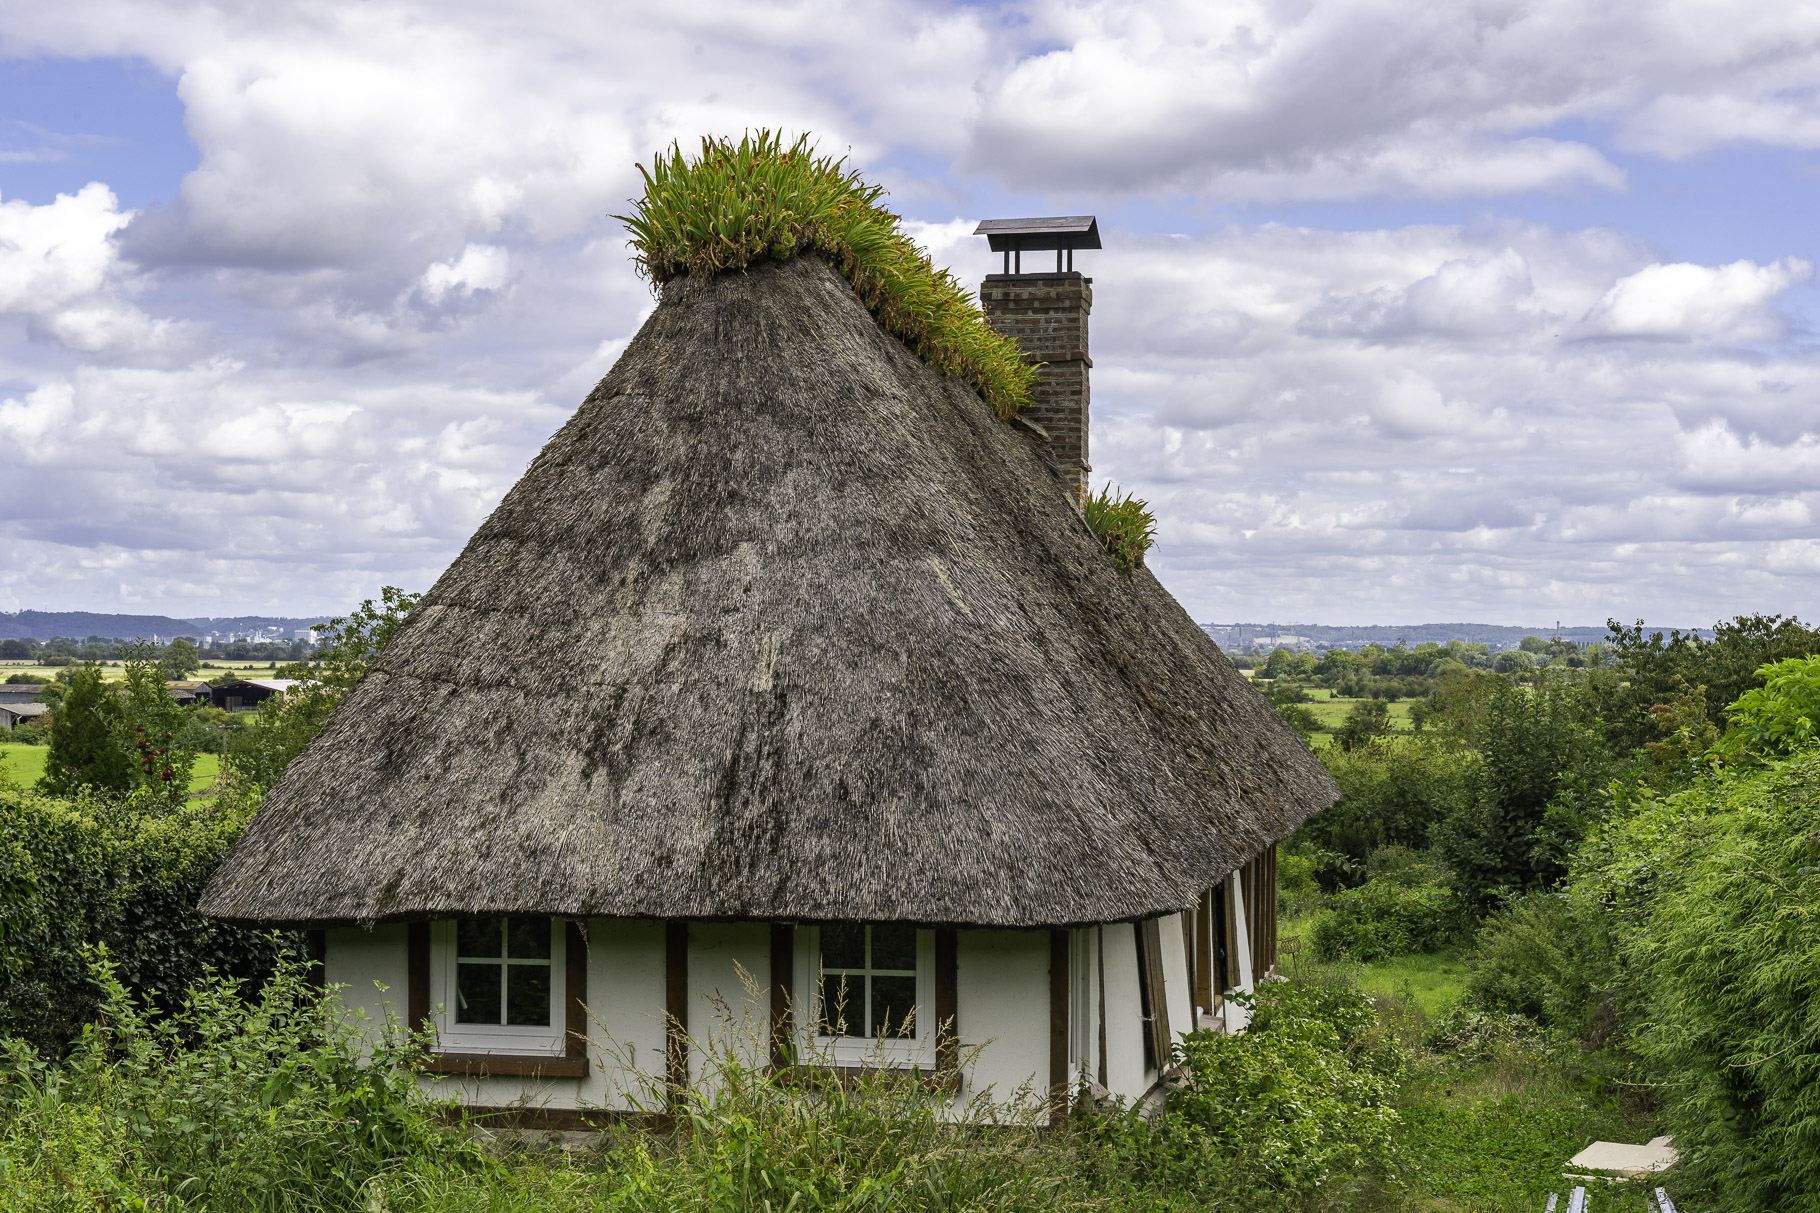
1325, 636
80, 625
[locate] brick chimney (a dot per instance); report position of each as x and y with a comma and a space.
1046, 314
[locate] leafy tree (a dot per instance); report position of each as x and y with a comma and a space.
1779, 718
1280, 665
1511, 661
1541, 769
1644, 671
14, 650
1368, 720
257, 755
1301, 719
1532, 644
152, 727
1390, 796
180, 660
85, 749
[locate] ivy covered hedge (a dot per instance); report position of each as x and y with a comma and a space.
92, 872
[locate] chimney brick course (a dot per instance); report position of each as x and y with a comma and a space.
1046, 314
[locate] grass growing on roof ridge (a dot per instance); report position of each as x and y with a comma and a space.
737, 203
1124, 525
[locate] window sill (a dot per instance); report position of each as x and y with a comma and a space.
506, 1065
948, 1081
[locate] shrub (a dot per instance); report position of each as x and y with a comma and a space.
1779, 718
1389, 796
90, 871
1298, 1104
1124, 525
1365, 722
738, 203
227, 1104
1535, 959
1297, 889
1731, 947
1383, 918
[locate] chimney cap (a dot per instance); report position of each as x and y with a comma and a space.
1049, 232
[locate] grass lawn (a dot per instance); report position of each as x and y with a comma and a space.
25, 763
1431, 982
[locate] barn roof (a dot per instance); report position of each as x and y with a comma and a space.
780, 625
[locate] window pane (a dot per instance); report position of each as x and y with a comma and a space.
528, 938
893, 1006
479, 936
894, 947
477, 993
528, 994
844, 946
843, 1005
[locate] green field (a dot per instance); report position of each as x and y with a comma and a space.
1331, 712
25, 763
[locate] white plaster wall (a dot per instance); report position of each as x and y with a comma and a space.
625, 1013
1002, 1003
363, 961
1178, 990
1126, 1074
729, 992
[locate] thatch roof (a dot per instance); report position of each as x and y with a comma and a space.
780, 625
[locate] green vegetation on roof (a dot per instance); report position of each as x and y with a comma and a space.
737, 203
1124, 524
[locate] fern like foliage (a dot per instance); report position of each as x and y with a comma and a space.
734, 204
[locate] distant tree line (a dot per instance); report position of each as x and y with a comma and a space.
66, 650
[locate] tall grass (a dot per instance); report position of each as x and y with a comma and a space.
739, 203
275, 1103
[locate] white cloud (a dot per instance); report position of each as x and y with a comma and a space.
391, 274
482, 267
1697, 302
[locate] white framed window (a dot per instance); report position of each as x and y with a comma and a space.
498, 985
867, 992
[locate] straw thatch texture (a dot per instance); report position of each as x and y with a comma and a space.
780, 625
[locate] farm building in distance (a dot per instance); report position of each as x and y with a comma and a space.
12, 715
245, 694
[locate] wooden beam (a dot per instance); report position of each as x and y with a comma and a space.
1058, 1026
676, 1008
417, 980
575, 995
783, 982
316, 959
947, 1003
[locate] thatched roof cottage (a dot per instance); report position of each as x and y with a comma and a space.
787, 656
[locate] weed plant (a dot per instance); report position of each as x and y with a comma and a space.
736, 204
1124, 525
276, 1103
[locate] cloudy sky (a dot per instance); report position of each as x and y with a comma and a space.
1493, 310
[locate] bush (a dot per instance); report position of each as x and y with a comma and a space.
1389, 796
1384, 918
90, 871
225, 1104
1298, 1104
1535, 959
1732, 952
